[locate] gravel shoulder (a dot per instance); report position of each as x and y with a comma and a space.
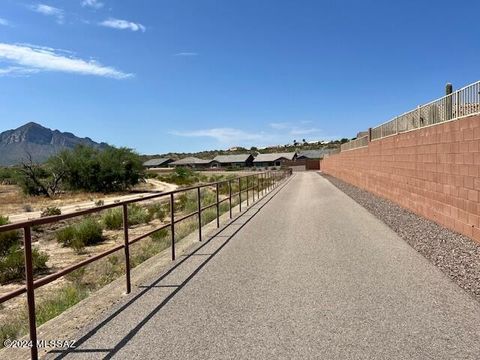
456, 255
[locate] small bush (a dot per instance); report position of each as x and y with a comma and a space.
12, 265
51, 211
160, 235
65, 235
87, 232
156, 211
99, 202
113, 219
138, 215
27, 208
7, 238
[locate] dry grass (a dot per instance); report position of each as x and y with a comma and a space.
13, 201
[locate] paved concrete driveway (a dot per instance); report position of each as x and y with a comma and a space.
305, 274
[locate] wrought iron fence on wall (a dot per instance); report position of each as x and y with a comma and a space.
460, 103
354, 144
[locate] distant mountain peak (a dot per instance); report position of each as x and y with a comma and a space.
39, 141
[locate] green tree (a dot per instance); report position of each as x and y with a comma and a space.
109, 170
83, 168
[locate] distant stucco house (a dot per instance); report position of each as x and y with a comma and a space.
192, 162
273, 160
157, 163
234, 161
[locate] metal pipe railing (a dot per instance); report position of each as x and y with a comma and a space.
269, 180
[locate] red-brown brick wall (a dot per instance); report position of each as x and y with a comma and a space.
433, 172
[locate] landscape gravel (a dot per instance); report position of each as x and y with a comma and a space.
456, 255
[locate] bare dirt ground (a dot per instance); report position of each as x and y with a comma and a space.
14, 204
61, 257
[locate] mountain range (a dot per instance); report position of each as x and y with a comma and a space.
38, 141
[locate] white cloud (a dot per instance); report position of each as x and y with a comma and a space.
4, 22
31, 59
279, 126
95, 4
123, 25
292, 129
301, 131
48, 10
223, 135
186, 54
16, 71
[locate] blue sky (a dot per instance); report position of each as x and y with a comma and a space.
188, 75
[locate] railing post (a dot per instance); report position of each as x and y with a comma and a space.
240, 193
254, 177
126, 248
218, 206
230, 197
172, 223
30, 291
247, 192
199, 200
263, 184
457, 104
419, 114
260, 183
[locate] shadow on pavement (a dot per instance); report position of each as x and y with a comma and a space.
247, 216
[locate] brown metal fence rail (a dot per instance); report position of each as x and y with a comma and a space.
262, 183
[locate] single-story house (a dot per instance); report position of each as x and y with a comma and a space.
234, 161
193, 162
157, 163
273, 160
313, 154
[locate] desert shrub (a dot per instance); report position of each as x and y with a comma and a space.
51, 211
8, 176
65, 235
138, 215
183, 176
113, 219
87, 232
187, 202
151, 175
7, 238
156, 211
99, 202
208, 216
27, 208
12, 265
160, 235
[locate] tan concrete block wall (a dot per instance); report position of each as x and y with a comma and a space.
433, 171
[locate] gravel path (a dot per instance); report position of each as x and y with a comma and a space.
306, 273
456, 255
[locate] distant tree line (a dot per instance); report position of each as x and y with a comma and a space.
83, 168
